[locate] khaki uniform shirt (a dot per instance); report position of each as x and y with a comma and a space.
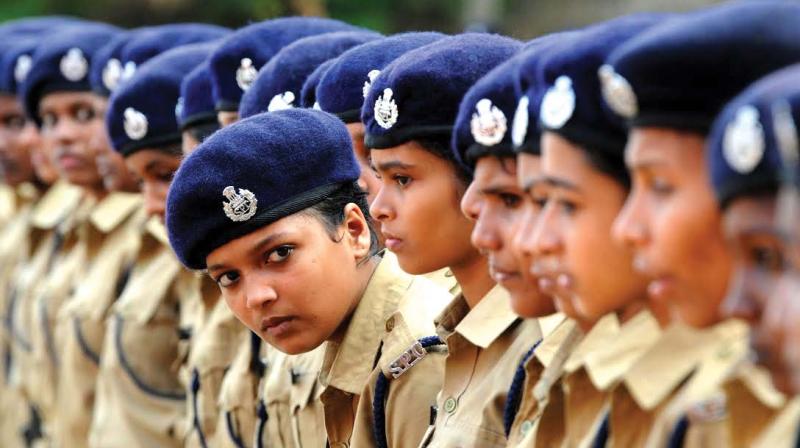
782, 431
140, 399
678, 377
211, 354
752, 401
485, 346
112, 235
370, 347
236, 425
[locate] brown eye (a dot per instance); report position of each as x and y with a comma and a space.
84, 114
227, 279
279, 254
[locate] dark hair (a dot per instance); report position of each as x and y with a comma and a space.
440, 147
331, 211
612, 165
202, 131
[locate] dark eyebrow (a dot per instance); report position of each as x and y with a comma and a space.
560, 183
255, 250
531, 183
392, 164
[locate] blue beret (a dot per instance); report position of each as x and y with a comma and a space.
279, 82
196, 102
152, 41
342, 89
308, 94
573, 106
529, 88
417, 95
61, 63
253, 173
680, 74
106, 69
235, 63
142, 111
747, 140
15, 62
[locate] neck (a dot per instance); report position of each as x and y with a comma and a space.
365, 272
96, 192
628, 311
473, 278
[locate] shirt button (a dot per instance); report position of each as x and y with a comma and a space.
390, 324
450, 405
526, 426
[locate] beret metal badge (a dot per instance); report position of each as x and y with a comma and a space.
558, 103
240, 206
112, 73
179, 109
246, 74
74, 65
368, 83
128, 71
386, 109
519, 127
281, 101
488, 124
22, 67
135, 124
617, 92
743, 142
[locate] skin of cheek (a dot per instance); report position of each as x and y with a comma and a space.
154, 187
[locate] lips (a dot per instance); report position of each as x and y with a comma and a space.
277, 326
391, 241
70, 161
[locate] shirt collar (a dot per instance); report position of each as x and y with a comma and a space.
113, 209
484, 323
348, 364
600, 335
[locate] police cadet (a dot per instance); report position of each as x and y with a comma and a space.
57, 96
293, 412
235, 64
671, 212
482, 142
408, 115
281, 229
196, 114
752, 159
140, 396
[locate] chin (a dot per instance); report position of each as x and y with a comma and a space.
530, 305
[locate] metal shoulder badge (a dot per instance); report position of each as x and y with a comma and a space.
488, 124
74, 65
135, 124
239, 206
246, 74
281, 101
558, 103
386, 109
743, 142
407, 360
617, 92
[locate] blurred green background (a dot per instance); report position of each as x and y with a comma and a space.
519, 18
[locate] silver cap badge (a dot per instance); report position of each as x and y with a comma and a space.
519, 127
281, 101
74, 65
135, 124
386, 109
246, 74
743, 142
179, 109
558, 103
488, 124
22, 67
617, 92
112, 73
128, 71
239, 206
368, 83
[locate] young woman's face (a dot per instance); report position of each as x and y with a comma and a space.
572, 239
418, 209
495, 202
278, 281
189, 143
777, 338
673, 224
110, 164
69, 124
227, 118
761, 257
15, 143
368, 181
155, 170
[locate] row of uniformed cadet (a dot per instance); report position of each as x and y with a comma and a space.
587, 239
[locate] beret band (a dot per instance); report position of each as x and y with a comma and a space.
350, 116
265, 217
155, 142
477, 151
397, 138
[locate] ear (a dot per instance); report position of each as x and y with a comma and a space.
357, 231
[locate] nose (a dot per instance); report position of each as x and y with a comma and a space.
546, 238
381, 208
470, 203
154, 202
739, 302
629, 228
258, 292
523, 238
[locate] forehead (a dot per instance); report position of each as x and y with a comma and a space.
491, 170
144, 158
750, 214
63, 100
663, 146
562, 159
410, 153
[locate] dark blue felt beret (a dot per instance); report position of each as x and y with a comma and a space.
253, 173
417, 95
142, 110
15, 61
573, 105
755, 136
308, 94
196, 104
152, 41
342, 89
236, 62
106, 70
280, 80
680, 74
61, 62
